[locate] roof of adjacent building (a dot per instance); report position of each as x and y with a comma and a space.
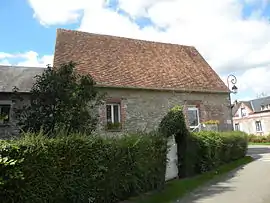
254, 104
123, 62
258, 103
18, 76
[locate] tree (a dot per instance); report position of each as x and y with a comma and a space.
61, 99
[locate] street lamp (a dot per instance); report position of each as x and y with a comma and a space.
232, 79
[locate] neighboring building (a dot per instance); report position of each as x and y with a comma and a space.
10, 77
144, 79
252, 117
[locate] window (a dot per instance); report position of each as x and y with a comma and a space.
193, 117
4, 113
258, 125
237, 127
113, 116
265, 107
243, 112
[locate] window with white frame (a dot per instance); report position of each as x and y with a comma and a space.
258, 125
113, 115
193, 117
4, 113
236, 127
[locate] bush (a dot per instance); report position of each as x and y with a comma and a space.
202, 151
211, 149
78, 168
259, 138
173, 124
11, 175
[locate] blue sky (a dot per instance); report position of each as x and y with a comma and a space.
21, 32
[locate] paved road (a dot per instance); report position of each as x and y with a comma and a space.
249, 184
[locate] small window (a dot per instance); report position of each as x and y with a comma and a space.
113, 116
237, 127
4, 113
193, 118
258, 125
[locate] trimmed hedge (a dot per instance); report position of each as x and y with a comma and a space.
208, 150
259, 138
203, 151
85, 169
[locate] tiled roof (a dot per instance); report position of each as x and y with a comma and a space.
257, 103
254, 104
123, 62
21, 77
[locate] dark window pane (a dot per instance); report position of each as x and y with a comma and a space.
193, 117
109, 113
5, 111
258, 126
116, 113
237, 127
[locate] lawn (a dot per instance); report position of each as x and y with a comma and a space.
259, 143
176, 189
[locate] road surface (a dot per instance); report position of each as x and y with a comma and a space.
249, 184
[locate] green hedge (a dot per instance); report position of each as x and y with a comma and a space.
84, 169
206, 150
259, 138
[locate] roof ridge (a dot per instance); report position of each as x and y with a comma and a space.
121, 37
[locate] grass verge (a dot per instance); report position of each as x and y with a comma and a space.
260, 143
176, 189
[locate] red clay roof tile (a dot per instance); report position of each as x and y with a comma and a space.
123, 62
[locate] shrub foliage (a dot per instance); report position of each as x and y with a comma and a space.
210, 149
259, 138
60, 99
173, 124
11, 175
77, 168
203, 151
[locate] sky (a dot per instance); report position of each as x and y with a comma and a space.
232, 35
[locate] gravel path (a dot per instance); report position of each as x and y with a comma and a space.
249, 184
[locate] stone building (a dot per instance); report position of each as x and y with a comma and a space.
10, 77
144, 79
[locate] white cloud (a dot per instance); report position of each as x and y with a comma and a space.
4, 55
256, 80
30, 59
227, 40
57, 12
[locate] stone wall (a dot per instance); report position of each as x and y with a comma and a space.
144, 109
10, 129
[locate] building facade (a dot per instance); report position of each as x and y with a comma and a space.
252, 117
